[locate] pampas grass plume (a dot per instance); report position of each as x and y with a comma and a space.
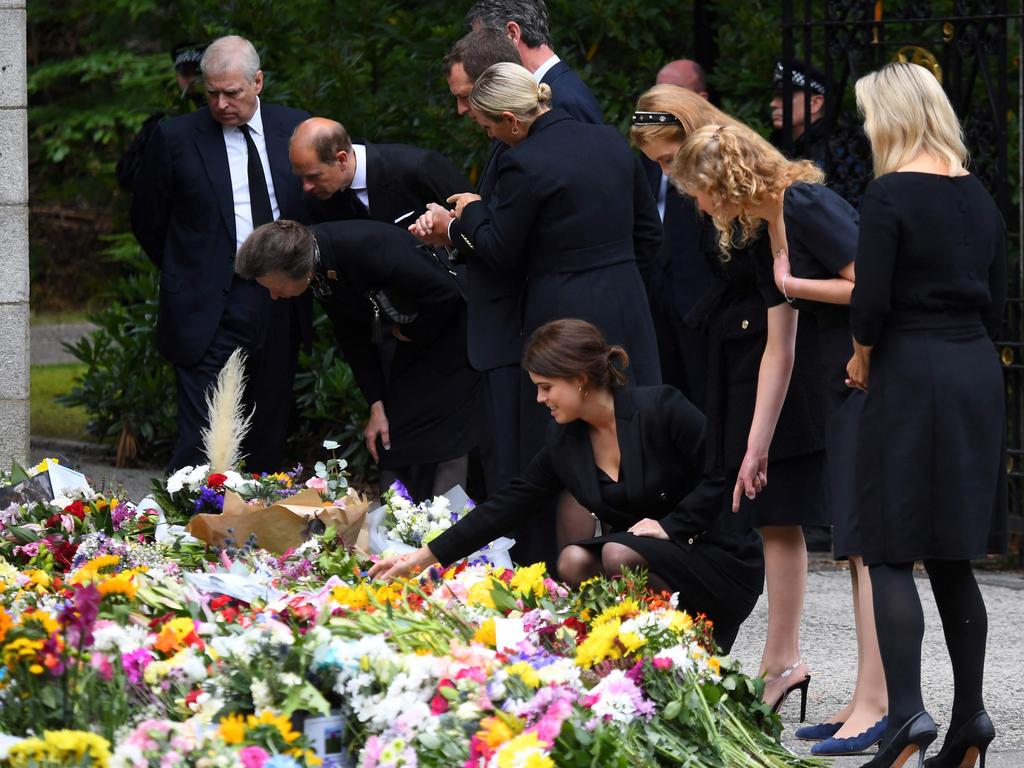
222, 441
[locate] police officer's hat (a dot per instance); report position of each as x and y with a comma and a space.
186, 57
803, 76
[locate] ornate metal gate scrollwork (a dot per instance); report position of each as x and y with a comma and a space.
964, 43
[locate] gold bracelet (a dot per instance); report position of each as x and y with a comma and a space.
784, 294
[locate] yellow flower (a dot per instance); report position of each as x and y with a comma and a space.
524, 751
530, 580
524, 672
600, 644
631, 641
22, 648
715, 665
36, 669
42, 466
155, 672
480, 594
280, 722
232, 729
91, 570
679, 622
624, 609
61, 748
119, 584
353, 598
39, 578
494, 732
484, 635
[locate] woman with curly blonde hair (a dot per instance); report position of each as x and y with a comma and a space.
746, 185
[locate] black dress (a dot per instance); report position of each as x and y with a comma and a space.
931, 288
733, 314
821, 235
716, 570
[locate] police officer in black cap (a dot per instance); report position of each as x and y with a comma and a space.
185, 57
809, 130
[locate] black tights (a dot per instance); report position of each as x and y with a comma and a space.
900, 623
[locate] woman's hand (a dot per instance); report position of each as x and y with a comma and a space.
650, 528
402, 565
461, 200
376, 427
432, 226
859, 367
752, 477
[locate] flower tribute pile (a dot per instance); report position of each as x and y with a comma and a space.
117, 650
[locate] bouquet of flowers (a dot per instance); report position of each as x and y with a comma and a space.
402, 525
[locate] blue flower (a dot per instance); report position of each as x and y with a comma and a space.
399, 488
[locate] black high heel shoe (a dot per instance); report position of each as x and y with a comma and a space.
967, 746
800, 685
913, 737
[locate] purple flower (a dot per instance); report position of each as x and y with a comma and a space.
399, 488
119, 514
79, 615
470, 506
209, 501
135, 664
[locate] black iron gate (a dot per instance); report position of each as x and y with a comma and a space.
966, 45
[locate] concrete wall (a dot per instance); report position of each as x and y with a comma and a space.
14, 318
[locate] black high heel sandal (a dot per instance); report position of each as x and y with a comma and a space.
967, 746
800, 685
912, 738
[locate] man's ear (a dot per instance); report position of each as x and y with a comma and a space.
341, 158
817, 104
258, 80
514, 32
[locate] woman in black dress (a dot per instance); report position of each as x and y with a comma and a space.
734, 316
633, 457
931, 461
737, 175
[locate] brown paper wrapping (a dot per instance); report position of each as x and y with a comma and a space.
284, 525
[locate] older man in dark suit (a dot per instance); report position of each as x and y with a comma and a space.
207, 180
526, 24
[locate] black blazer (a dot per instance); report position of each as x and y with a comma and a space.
661, 444
183, 217
572, 211
430, 393
400, 181
570, 93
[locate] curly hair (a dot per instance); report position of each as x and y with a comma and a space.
739, 170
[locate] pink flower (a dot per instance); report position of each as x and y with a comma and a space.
661, 662
438, 704
317, 484
101, 663
29, 550
253, 757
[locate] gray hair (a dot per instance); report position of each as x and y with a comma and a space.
511, 88
530, 15
230, 54
280, 246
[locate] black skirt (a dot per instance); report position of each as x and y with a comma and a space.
793, 495
931, 453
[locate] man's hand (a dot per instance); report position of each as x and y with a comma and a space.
377, 425
432, 226
461, 200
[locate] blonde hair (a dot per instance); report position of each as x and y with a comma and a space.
689, 108
508, 87
737, 169
906, 112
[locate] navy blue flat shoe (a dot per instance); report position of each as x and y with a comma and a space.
853, 745
818, 732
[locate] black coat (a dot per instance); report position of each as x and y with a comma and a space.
570, 93
400, 181
572, 211
430, 394
183, 217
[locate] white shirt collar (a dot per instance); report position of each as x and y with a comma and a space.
543, 68
256, 121
359, 178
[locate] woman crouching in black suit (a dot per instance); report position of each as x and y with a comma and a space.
632, 457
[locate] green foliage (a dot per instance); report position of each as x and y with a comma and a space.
47, 417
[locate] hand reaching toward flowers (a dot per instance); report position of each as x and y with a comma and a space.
402, 565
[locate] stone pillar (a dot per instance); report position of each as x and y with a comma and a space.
14, 271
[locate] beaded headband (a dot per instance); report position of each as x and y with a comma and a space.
655, 118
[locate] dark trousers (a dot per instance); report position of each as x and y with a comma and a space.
500, 449
271, 340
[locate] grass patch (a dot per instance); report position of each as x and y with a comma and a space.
50, 419
52, 317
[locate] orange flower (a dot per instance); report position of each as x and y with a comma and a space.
5, 623
177, 634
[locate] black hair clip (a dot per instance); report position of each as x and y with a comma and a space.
655, 118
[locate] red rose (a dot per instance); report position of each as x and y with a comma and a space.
220, 601
76, 509
438, 705
216, 480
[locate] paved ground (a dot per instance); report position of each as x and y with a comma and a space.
46, 341
829, 648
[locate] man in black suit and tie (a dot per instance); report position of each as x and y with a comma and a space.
207, 180
526, 24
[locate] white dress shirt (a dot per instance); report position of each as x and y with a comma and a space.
543, 68
662, 195
238, 164
358, 184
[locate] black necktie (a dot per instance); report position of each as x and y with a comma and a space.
259, 197
359, 211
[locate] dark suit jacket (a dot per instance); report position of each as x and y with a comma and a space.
571, 209
661, 444
430, 393
570, 93
183, 217
399, 179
